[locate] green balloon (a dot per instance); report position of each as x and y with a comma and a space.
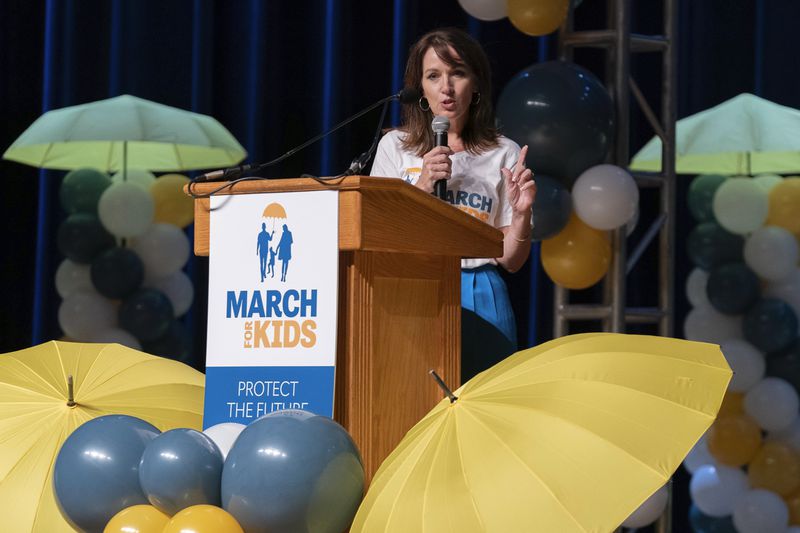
81, 190
701, 196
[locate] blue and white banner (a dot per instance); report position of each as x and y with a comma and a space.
272, 303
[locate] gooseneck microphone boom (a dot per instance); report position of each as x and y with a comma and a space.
440, 126
406, 96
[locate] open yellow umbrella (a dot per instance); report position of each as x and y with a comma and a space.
743, 135
570, 436
38, 411
126, 132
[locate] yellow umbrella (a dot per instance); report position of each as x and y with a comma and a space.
274, 210
36, 414
570, 436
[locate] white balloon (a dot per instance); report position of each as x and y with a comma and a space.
716, 488
178, 288
746, 361
771, 252
787, 289
699, 456
125, 210
740, 205
83, 314
485, 9
605, 197
224, 435
163, 249
772, 403
761, 511
630, 225
137, 176
72, 277
116, 335
706, 324
696, 288
767, 181
650, 510
789, 435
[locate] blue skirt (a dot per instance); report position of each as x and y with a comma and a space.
488, 328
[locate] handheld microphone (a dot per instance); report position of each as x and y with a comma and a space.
440, 126
408, 95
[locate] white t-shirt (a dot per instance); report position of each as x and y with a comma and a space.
475, 185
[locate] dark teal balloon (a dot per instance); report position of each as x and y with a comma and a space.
709, 246
732, 289
180, 468
310, 479
770, 325
96, 473
146, 314
701, 196
81, 190
117, 273
785, 364
563, 113
702, 523
81, 238
175, 344
551, 209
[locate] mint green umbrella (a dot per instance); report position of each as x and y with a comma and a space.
744, 135
126, 132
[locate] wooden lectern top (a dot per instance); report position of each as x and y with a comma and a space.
376, 214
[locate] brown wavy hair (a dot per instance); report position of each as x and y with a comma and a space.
479, 132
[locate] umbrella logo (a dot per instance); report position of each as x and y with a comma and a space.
268, 248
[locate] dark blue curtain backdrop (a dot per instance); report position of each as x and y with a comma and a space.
278, 72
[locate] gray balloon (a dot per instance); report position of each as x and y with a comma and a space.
293, 471
180, 468
96, 474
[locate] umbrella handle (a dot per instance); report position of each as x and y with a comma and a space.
442, 386
70, 392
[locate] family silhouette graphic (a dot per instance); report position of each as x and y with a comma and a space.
266, 253
263, 250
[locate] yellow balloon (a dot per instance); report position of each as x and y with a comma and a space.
784, 205
172, 205
137, 519
775, 467
732, 404
578, 257
203, 519
734, 440
537, 17
793, 503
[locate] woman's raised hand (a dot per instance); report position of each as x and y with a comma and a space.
520, 187
436, 165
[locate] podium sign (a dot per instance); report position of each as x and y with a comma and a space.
272, 305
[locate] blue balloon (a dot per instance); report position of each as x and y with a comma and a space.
702, 523
732, 288
175, 344
81, 190
551, 209
147, 314
785, 364
117, 273
180, 468
770, 325
563, 113
293, 471
96, 473
709, 246
81, 237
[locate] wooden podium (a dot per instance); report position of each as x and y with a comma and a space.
399, 299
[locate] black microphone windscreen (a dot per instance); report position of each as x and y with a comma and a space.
410, 95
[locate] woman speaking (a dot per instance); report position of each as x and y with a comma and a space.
485, 172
